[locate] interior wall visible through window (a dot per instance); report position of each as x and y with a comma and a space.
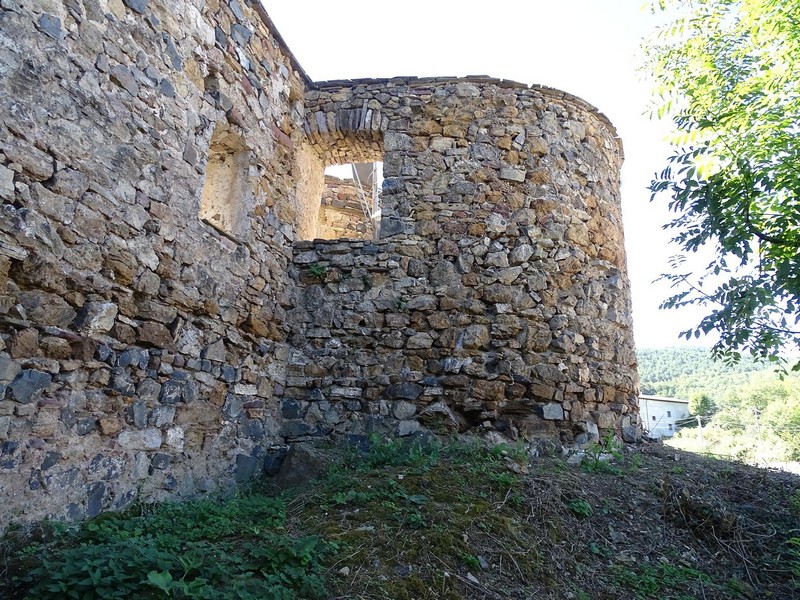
350, 206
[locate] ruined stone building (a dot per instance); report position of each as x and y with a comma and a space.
167, 313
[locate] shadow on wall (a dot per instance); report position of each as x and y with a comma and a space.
225, 192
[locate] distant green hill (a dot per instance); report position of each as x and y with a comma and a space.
682, 372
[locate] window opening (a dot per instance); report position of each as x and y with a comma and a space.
350, 206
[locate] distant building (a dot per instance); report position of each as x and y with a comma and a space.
660, 414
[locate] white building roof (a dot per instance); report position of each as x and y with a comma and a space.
663, 399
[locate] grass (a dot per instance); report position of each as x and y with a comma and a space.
441, 507
663, 580
423, 520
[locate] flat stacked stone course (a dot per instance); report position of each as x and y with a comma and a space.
148, 354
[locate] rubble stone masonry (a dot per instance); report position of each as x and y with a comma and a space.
340, 213
167, 320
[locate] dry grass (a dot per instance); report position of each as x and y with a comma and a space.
657, 524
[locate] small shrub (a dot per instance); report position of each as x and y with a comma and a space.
387, 452
598, 455
662, 581
318, 271
471, 561
580, 508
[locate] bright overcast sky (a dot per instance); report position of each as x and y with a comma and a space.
589, 48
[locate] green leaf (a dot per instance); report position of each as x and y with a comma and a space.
160, 579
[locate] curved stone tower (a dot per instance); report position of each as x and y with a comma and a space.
168, 323
497, 297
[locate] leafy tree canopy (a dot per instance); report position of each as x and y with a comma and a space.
701, 404
727, 73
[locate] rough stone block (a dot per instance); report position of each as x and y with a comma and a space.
24, 343
6, 183
293, 429
171, 392
95, 495
551, 411
232, 408
37, 164
137, 6
215, 351
124, 78
28, 385
489, 390
85, 425
9, 369
160, 461
109, 426
512, 174
475, 337
147, 439
346, 392
419, 341
175, 438
605, 419
162, 415
404, 410
291, 409
403, 391
154, 334
406, 428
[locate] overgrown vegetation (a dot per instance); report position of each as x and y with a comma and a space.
426, 520
203, 549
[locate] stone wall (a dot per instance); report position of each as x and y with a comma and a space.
340, 212
163, 329
499, 299
142, 349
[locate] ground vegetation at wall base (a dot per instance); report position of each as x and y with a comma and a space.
415, 519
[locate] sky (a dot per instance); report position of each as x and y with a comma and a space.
589, 48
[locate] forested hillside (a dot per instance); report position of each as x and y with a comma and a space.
749, 411
684, 372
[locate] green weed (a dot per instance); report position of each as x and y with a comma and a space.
318, 271
794, 552
580, 508
471, 561
662, 581
202, 549
794, 502
635, 462
600, 453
